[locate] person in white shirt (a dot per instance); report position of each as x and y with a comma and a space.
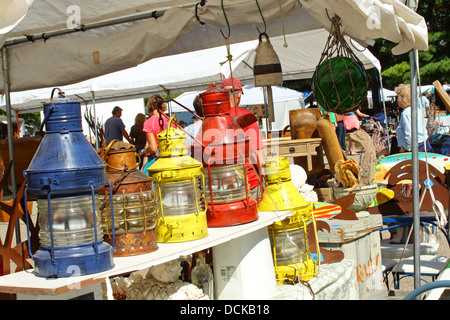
425, 100
403, 129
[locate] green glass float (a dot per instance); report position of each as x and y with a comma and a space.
339, 84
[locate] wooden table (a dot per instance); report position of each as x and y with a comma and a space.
287, 147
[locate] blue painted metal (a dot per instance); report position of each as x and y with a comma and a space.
427, 287
72, 261
62, 114
65, 160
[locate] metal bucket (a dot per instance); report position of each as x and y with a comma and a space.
119, 156
363, 198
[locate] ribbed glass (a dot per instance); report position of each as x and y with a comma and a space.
227, 183
182, 197
290, 248
73, 221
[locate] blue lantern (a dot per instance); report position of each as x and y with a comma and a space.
66, 174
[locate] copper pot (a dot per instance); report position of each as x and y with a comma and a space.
118, 155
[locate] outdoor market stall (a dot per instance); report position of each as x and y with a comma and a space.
78, 73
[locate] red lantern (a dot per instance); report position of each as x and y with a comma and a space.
223, 150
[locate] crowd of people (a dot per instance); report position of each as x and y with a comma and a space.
143, 133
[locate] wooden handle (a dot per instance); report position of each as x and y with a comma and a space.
330, 142
442, 93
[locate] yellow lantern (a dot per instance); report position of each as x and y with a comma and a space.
179, 183
288, 237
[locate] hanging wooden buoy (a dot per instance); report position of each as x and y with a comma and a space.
266, 66
267, 70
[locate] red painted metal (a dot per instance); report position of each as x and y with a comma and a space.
232, 213
223, 142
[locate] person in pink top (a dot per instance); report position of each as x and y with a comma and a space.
252, 131
152, 127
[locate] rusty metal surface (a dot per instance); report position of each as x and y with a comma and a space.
119, 155
329, 256
134, 243
133, 182
344, 203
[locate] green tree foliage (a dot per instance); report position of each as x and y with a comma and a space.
434, 64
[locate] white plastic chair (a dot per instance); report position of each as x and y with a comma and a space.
430, 265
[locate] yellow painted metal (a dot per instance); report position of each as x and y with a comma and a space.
175, 169
172, 141
182, 228
303, 269
280, 194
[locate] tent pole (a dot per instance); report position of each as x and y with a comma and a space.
95, 25
386, 124
413, 62
10, 133
266, 108
169, 103
95, 120
415, 166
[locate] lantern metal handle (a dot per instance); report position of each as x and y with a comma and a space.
172, 119
265, 35
49, 111
53, 92
109, 147
47, 115
26, 216
95, 219
196, 193
160, 197
50, 222
169, 125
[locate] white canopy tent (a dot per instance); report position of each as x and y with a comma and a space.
192, 71
93, 43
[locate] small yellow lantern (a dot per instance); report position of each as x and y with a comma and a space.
288, 237
179, 183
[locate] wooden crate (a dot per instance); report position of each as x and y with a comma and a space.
287, 147
359, 240
324, 194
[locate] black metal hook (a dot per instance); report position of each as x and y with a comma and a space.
226, 19
260, 12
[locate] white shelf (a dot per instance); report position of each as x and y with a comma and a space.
26, 282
